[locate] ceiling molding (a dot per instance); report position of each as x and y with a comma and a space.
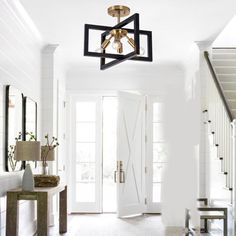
204, 45
50, 48
23, 19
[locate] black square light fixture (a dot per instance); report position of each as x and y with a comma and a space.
117, 33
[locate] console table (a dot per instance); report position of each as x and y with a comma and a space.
41, 195
213, 213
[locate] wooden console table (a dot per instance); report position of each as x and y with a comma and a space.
213, 213
41, 195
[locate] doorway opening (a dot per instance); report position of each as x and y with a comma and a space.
94, 140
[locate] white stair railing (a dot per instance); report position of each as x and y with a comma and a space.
220, 126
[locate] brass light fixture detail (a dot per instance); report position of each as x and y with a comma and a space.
116, 36
118, 11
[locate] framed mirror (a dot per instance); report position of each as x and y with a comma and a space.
13, 126
29, 121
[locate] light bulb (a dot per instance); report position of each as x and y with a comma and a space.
104, 45
100, 49
116, 44
141, 51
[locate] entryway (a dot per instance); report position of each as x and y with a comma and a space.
117, 138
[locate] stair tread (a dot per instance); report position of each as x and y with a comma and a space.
228, 188
223, 173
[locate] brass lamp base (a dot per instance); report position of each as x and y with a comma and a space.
118, 11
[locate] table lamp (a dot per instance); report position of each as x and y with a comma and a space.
27, 151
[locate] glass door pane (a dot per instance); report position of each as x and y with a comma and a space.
156, 153
85, 155
86, 163
158, 150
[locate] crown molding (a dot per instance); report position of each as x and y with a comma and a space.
50, 48
24, 20
204, 45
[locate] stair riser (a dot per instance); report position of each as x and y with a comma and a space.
228, 86
224, 63
224, 51
225, 70
230, 95
232, 104
224, 56
227, 78
234, 113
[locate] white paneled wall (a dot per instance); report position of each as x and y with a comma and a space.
20, 65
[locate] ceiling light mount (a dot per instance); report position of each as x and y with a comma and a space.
118, 11
116, 34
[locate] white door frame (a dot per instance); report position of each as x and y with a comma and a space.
151, 207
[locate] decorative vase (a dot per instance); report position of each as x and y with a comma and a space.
45, 169
28, 179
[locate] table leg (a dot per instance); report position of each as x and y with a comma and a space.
226, 222
42, 214
63, 211
206, 226
12, 215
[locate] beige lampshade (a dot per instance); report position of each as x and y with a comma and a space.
27, 151
48, 153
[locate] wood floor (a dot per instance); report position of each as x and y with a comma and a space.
110, 225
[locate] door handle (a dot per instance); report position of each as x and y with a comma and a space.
122, 176
120, 172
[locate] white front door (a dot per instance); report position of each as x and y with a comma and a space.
130, 175
140, 154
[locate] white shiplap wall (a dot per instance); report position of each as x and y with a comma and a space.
20, 66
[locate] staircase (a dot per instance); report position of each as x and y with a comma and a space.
224, 63
219, 113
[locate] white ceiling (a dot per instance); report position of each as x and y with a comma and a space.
227, 38
175, 24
